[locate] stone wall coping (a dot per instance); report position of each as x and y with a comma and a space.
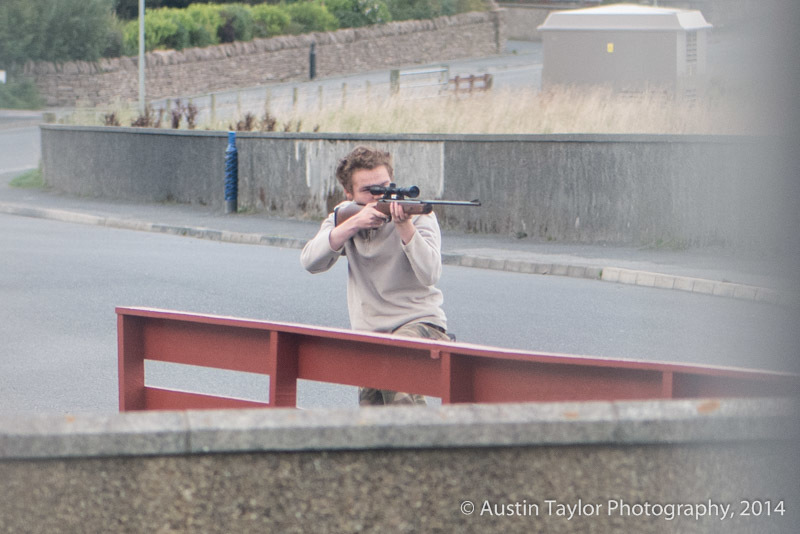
482, 138
697, 421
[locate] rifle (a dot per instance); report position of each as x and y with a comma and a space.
397, 194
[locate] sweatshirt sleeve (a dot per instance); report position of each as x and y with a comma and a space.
424, 250
317, 255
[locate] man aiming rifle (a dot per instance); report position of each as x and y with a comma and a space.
393, 253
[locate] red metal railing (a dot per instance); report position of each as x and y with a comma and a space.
455, 372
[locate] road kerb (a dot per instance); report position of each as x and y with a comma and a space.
606, 274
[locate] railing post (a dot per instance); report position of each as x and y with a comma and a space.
130, 363
667, 390
283, 370
456, 385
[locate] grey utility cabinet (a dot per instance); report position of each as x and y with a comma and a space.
630, 48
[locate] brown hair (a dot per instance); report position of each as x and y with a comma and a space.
362, 157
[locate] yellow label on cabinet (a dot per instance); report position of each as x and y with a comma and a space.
610, 48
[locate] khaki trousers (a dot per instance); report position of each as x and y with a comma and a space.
381, 397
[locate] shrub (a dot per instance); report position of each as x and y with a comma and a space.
115, 38
269, 21
428, 9
412, 9
237, 23
36, 30
174, 29
465, 6
159, 29
21, 94
358, 13
207, 21
310, 16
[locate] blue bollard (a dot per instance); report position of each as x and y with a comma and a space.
231, 174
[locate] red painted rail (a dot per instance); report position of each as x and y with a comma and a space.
455, 372
472, 83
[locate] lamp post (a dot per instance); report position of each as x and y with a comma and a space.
141, 57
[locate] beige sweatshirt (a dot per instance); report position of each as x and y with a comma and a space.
389, 284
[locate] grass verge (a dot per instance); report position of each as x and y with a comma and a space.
31, 179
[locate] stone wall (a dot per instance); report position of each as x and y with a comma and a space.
247, 64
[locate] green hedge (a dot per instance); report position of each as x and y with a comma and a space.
49, 30
20, 94
64, 30
207, 24
358, 13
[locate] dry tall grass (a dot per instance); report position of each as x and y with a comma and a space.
566, 110
528, 112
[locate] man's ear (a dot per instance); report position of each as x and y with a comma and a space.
348, 195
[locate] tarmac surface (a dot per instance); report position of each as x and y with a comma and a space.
709, 271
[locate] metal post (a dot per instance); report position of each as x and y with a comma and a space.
231, 174
213, 110
312, 62
141, 57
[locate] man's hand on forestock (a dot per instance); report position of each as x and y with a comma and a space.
402, 222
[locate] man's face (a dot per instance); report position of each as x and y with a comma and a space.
363, 179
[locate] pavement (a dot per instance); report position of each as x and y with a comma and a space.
713, 272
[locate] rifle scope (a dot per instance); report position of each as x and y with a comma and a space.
394, 192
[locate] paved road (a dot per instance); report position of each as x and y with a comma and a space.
60, 283
20, 148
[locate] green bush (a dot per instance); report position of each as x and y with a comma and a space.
466, 6
269, 20
428, 9
237, 23
174, 29
203, 24
358, 13
159, 28
21, 94
115, 38
310, 16
45, 30
207, 21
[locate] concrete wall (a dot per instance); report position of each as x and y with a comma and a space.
405, 469
196, 71
627, 189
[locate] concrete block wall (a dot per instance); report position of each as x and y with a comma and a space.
623, 189
195, 71
619, 467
